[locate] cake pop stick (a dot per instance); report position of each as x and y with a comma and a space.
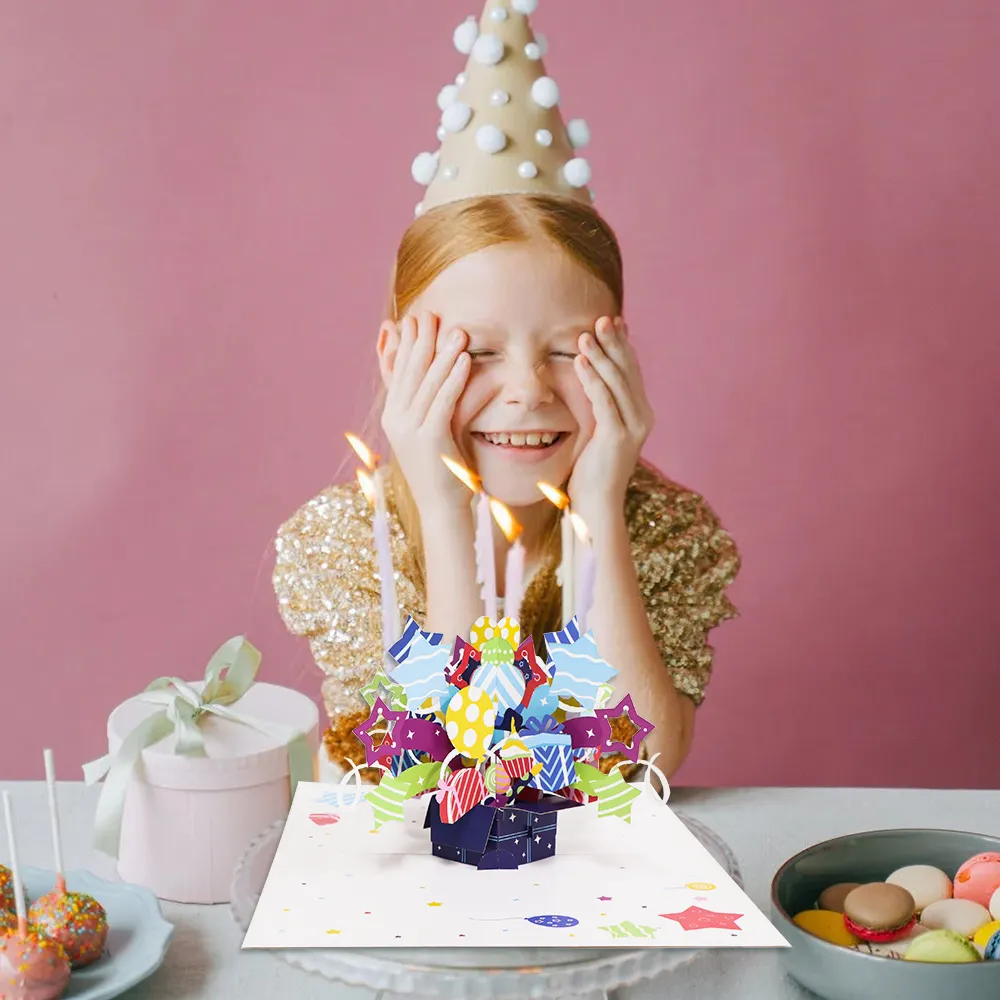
50, 782
77, 921
20, 909
32, 967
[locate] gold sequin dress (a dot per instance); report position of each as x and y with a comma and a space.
327, 586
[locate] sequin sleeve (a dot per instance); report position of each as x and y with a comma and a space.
684, 560
328, 590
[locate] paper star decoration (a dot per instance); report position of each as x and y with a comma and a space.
380, 711
629, 929
643, 728
422, 673
381, 687
694, 918
578, 669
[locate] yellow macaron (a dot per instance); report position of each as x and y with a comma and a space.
827, 925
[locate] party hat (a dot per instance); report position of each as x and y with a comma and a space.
501, 129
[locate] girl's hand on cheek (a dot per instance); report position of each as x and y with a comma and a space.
429, 372
609, 372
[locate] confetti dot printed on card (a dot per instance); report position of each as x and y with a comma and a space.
469, 722
700, 886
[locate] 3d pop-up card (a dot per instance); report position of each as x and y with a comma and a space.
493, 823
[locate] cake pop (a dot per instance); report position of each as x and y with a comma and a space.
7, 891
32, 966
77, 921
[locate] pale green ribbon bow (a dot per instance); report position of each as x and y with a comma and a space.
183, 708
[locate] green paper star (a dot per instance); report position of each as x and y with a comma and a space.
380, 686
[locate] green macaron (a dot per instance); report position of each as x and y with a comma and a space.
942, 946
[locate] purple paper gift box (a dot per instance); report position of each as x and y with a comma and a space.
508, 837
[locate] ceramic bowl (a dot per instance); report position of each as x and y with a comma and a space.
838, 973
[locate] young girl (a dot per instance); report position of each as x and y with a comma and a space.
505, 348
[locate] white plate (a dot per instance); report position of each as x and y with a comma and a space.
473, 973
137, 933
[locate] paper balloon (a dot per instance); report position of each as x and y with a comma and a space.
469, 722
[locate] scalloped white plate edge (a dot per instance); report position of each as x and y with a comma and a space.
156, 941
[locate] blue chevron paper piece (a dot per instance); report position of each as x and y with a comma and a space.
503, 683
558, 766
578, 668
400, 649
421, 673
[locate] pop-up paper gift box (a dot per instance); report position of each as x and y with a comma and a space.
501, 740
507, 837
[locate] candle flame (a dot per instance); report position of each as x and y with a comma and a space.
362, 450
556, 496
466, 475
367, 485
580, 527
505, 519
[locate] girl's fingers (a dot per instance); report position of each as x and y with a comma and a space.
633, 372
612, 376
407, 328
598, 392
449, 348
443, 404
421, 336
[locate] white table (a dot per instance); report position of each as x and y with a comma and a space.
763, 826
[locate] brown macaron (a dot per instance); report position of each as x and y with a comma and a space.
879, 911
832, 898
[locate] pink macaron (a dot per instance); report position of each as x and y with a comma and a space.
978, 878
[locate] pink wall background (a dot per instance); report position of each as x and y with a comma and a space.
200, 202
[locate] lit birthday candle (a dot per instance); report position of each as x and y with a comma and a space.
373, 486
486, 568
514, 567
567, 570
587, 571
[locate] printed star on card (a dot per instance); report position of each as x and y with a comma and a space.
433, 904
421, 674
604, 899
694, 918
578, 669
380, 712
642, 728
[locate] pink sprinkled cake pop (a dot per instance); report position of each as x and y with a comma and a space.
77, 921
32, 967
7, 891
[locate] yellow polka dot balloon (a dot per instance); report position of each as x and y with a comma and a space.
469, 722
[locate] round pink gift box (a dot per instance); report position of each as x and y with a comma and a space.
188, 820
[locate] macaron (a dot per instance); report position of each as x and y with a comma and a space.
879, 912
941, 946
994, 906
925, 883
979, 878
963, 916
832, 897
982, 937
992, 949
892, 949
826, 924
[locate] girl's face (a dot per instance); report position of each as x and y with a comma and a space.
524, 415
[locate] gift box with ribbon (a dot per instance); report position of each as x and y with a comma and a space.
196, 770
553, 749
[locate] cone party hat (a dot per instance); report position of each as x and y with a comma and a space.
501, 130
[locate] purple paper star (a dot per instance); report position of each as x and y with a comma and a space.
644, 728
388, 748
